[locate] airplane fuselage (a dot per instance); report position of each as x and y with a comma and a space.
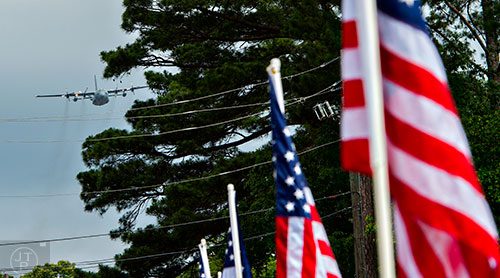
101, 97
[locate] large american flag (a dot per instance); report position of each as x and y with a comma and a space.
302, 246
443, 224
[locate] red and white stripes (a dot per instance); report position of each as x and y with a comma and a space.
443, 224
308, 251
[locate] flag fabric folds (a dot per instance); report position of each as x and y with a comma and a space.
302, 246
202, 268
443, 224
229, 266
204, 264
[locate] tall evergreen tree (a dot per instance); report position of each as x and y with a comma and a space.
196, 49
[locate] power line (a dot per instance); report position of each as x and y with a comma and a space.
154, 228
249, 86
80, 119
96, 263
327, 89
189, 112
63, 118
330, 88
163, 184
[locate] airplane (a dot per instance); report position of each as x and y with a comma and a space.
99, 96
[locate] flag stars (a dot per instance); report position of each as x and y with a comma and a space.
290, 180
286, 132
289, 156
299, 194
290, 206
274, 158
306, 208
231, 257
297, 169
230, 243
409, 3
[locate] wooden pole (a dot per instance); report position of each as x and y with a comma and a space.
363, 222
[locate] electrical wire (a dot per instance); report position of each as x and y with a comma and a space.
163, 184
249, 86
204, 126
79, 119
62, 118
330, 88
112, 260
97, 262
154, 228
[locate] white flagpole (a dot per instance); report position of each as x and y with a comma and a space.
370, 57
204, 257
234, 230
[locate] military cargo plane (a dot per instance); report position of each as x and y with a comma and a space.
98, 97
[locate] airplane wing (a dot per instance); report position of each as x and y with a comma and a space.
77, 94
122, 90
57, 95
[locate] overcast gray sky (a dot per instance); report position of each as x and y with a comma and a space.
51, 46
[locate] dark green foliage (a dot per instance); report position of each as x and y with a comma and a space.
477, 102
69, 270
212, 47
62, 268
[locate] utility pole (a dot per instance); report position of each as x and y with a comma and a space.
365, 248
363, 226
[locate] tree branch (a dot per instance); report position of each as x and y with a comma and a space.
471, 28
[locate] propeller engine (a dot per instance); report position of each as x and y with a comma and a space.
75, 99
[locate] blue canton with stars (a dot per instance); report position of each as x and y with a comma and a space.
407, 11
290, 181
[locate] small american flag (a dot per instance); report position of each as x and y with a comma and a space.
302, 246
229, 267
443, 225
202, 268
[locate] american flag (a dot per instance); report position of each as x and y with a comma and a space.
202, 268
443, 224
229, 266
302, 246
203, 264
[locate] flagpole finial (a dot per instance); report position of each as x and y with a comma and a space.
230, 187
274, 66
203, 242
274, 71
